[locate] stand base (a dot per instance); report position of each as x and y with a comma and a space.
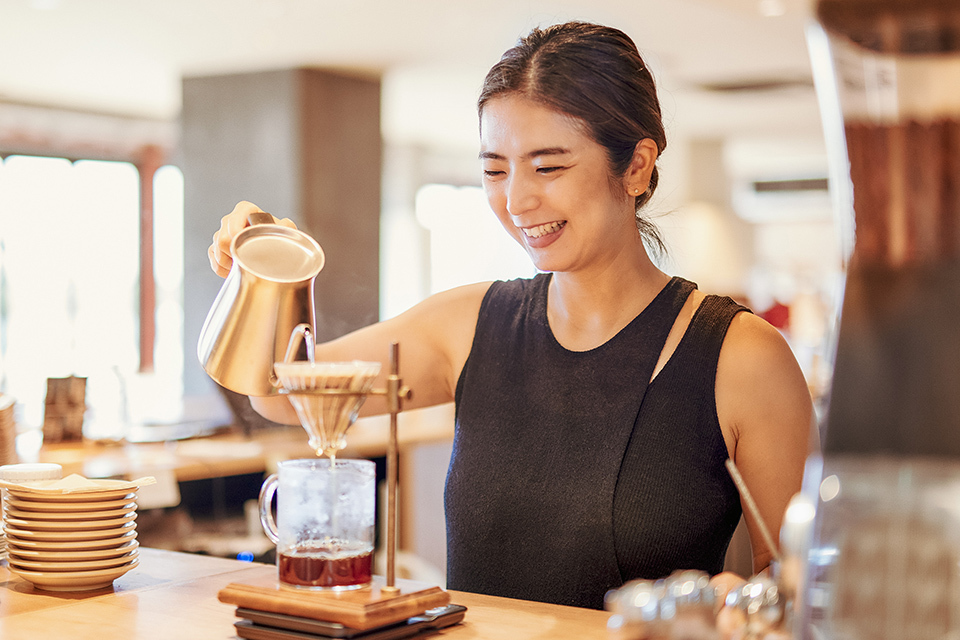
362, 609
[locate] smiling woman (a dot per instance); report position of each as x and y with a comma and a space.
538, 164
597, 401
593, 102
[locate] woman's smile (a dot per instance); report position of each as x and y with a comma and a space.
549, 184
543, 234
543, 229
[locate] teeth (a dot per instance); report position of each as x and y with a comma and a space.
544, 229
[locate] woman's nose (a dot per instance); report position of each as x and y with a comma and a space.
522, 195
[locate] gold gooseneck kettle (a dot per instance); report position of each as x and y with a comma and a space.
267, 295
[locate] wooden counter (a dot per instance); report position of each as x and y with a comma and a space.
235, 454
173, 596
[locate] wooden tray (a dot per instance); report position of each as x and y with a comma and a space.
362, 609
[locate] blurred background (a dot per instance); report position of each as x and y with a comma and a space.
128, 128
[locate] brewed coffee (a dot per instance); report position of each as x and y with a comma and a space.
329, 567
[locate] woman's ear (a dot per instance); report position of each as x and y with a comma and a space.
641, 167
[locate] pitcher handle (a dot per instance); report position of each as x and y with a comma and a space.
260, 217
265, 500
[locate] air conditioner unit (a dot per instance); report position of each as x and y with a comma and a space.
792, 199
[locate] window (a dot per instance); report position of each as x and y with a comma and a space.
70, 288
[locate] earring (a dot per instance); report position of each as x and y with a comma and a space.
636, 191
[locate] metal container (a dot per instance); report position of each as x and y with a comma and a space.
268, 293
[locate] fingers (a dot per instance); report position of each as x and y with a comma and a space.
723, 583
730, 621
215, 262
230, 225
235, 221
219, 251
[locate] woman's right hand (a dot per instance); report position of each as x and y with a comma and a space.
230, 225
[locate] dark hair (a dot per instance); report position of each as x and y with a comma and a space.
595, 74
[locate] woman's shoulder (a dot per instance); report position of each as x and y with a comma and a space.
457, 301
462, 304
750, 338
715, 316
758, 376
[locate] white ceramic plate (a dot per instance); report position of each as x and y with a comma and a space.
46, 506
13, 512
76, 496
79, 524
67, 536
69, 555
74, 545
74, 565
74, 580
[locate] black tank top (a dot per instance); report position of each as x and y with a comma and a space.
571, 474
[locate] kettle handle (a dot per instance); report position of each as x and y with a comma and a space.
260, 217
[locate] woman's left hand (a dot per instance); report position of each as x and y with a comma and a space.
724, 583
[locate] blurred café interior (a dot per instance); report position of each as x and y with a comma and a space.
127, 129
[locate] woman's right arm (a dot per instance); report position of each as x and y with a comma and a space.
434, 337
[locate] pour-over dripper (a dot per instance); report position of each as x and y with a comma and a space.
327, 397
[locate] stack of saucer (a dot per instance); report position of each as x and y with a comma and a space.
23, 473
71, 540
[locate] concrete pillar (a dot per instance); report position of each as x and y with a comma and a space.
303, 144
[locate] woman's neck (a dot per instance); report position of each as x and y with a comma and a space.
585, 310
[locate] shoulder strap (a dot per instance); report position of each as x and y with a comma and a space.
704, 337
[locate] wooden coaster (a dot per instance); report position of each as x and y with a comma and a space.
362, 609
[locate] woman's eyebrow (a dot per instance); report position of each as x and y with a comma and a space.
548, 151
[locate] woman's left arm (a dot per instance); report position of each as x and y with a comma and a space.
768, 421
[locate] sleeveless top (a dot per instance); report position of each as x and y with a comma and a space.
571, 471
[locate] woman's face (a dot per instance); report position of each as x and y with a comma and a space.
549, 184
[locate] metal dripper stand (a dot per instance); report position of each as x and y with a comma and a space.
327, 399
336, 412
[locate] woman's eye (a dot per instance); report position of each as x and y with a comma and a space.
492, 173
548, 169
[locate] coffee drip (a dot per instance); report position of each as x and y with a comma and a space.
327, 416
327, 396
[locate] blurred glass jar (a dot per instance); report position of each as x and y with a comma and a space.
888, 76
679, 607
885, 551
880, 559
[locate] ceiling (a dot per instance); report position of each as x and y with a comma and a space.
726, 68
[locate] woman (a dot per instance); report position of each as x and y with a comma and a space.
597, 402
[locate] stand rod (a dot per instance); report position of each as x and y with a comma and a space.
394, 394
